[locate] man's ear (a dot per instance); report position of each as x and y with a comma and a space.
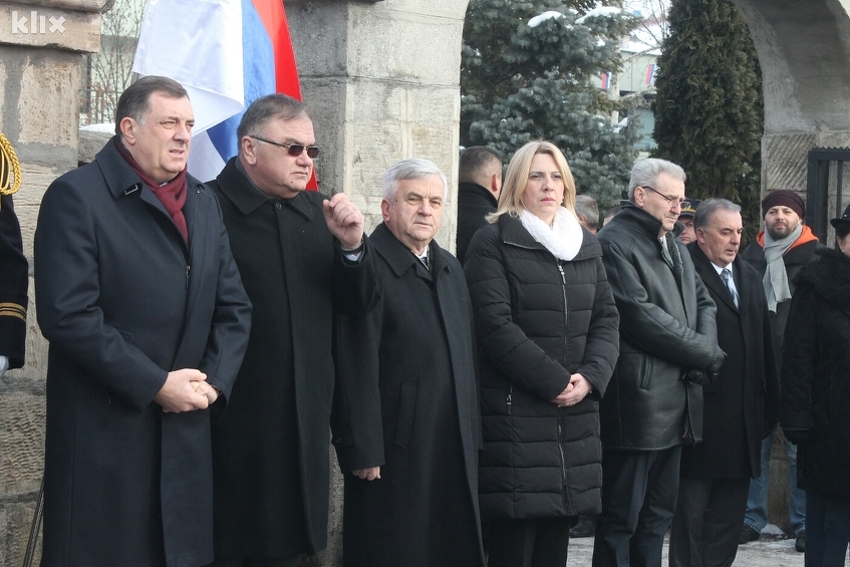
249, 153
128, 127
495, 183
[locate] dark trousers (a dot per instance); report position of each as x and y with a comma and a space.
827, 529
708, 521
253, 562
529, 543
639, 490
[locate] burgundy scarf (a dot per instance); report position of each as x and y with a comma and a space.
172, 195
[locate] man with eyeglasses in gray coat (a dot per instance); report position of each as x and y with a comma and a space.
668, 349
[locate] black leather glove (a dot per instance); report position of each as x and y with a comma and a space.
719, 357
700, 377
797, 436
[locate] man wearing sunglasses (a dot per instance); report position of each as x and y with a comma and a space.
303, 258
668, 349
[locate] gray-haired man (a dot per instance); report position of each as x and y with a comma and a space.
406, 425
668, 346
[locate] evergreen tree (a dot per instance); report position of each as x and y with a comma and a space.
709, 109
522, 82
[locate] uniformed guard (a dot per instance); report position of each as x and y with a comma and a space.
13, 266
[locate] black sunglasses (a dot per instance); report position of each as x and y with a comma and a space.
292, 149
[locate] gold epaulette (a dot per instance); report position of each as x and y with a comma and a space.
10, 168
13, 310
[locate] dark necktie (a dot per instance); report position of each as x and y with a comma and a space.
726, 275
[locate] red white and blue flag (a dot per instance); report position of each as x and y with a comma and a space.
226, 53
650, 73
605, 80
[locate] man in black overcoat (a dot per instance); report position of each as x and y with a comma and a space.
147, 319
741, 406
480, 175
406, 420
302, 258
14, 280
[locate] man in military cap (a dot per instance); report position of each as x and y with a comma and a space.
686, 217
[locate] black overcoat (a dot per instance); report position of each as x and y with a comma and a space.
407, 400
539, 320
271, 443
816, 373
742, 404
474, 203
14, 280
123, 300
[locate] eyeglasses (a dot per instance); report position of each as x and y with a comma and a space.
292, 149
672, 201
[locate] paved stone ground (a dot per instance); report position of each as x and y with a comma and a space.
767, 552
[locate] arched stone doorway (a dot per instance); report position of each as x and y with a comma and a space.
804, 50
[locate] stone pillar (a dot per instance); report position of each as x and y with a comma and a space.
40, 55
383, 81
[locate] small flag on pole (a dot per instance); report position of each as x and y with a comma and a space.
226, 53
605, 80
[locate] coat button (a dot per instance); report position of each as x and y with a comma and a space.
277, 206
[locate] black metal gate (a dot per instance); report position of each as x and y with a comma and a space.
818, 185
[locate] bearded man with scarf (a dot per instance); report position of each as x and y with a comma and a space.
780, 252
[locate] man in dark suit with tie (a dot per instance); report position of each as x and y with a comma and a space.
741, 405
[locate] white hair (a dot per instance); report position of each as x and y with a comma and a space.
413, 168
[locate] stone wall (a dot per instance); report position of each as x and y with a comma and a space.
383, 80
39, 104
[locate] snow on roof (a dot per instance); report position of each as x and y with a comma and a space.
539, 19
602, 11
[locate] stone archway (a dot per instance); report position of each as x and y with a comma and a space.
804, 50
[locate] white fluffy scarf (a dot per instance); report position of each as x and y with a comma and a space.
563, 239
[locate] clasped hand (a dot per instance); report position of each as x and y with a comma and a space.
575, 391
372, 473
186, 390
